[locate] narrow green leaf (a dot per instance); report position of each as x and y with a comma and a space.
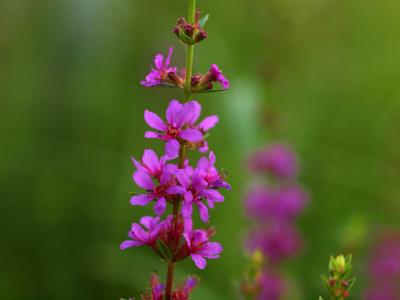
204, 20
209, 91
164, 250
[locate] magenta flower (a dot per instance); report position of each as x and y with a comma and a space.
216, 75
150, 163
194, 188
200, 248
157, 288
190, 284
183, 292
154, 191
139, 237
206, 169
162, 70
180, 126
277, 159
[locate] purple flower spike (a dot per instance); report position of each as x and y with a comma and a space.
200, 248
139, 237
180, 126
162, 72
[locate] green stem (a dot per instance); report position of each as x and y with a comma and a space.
189, 72
189, 53
182, 150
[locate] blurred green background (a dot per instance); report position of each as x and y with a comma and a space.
322, 75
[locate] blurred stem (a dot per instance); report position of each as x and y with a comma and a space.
182, 150
189, 53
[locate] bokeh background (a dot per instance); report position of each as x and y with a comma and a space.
321, 75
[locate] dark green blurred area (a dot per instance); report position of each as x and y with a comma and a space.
322, 75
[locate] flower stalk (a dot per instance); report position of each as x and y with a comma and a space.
189, 54
181, 185
182, 149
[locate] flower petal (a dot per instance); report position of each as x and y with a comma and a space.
173, 190
187, 225
128, 244
183, 178
172, 148
152, 135
158, 61
214, 249
191, 135
186, 113
199, 261
208, 123
154, 121
150, 159
143, 180
213, 195
140, 200
195, 111
137, 164
168, 59
138, 233
160, 206
152, 79
203, 210
173, 111
187, 210
149, 222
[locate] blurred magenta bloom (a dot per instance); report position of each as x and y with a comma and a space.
384, 269
277, 241
277, 159
271, 286
266, 203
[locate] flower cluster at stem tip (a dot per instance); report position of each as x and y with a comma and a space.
339, 282
163, 74
173, 179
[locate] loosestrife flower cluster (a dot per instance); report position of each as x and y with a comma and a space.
339, 282
274, 206
384, 269
178, 187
